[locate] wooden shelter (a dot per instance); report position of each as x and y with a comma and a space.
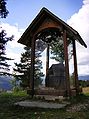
44, 21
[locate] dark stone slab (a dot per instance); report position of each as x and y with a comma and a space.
56, 76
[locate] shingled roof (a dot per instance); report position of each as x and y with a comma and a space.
44, 13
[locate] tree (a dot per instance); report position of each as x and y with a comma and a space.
3, 10
72, 80
54, 38
4, 67
23, 68
38, 77
57, 49
3, 59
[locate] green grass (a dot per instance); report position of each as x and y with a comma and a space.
9, 111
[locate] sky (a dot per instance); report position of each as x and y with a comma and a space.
73, 12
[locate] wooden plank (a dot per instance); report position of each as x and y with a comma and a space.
47, 63
66, 63
75, 68
32, 66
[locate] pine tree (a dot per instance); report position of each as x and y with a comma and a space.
38, 66
4, 66
3, 11
23, 68
57, 49
54, 38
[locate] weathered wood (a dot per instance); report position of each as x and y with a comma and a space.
32, 66
48, 23
75, 68
66, 63
46, 20
47, 62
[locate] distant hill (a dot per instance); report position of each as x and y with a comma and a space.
5, 83
86, 77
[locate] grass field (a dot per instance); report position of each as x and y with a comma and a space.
86, 90
78, 109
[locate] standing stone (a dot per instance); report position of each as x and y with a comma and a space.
56, 76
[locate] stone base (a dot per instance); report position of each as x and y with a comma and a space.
57, 82
40, 104
51, 92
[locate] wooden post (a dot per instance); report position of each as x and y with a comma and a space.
66, 63
32, 66
75, 68
47, 63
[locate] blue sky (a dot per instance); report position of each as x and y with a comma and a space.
22, 12
74, 12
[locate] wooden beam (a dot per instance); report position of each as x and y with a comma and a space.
66, 63
75, 68
47, 63
32, 66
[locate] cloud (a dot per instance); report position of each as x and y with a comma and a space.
80, 22
12, 30
13, 48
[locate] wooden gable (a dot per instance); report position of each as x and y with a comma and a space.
46, 19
